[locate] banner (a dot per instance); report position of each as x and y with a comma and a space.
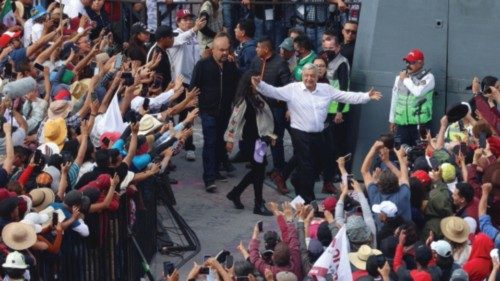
334, 260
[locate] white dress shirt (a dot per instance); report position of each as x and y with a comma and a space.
308, 109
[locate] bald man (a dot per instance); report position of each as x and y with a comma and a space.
217, 78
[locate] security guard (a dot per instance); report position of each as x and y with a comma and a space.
411, 104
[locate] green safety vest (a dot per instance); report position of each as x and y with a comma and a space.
297, 71
331, 74
406, 107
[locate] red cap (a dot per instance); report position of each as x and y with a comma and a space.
62, 94
422, 176
7, 36
414, 55
329, 203
182, 13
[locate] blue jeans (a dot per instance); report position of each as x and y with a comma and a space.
277, 150
214, 152
274, 29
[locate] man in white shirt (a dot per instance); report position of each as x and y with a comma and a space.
308, 104
184, 54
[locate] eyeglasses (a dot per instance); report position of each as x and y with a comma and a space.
351, 31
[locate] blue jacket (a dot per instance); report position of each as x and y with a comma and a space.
246, 53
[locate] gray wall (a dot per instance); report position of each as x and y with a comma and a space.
459, 38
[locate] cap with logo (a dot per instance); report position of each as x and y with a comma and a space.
184, 13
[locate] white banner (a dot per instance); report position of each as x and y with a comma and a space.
334, 260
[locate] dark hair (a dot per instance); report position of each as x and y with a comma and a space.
295, 30
23, 66
113, 155
464, 190
417, 193
242, 268
446, 266
88, 152
102, 158
244, 92
281, 255
23, 153
266, 40
411, 233
481, 127
388, 182
303, 42
487, 82
248, 26
71, 147
373, 263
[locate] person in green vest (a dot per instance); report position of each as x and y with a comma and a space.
305, 54
411, 103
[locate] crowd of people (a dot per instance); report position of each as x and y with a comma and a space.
87, 114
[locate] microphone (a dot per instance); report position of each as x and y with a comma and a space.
420, 102
19, 87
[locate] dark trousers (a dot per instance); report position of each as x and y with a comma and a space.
214, 151
409, 134
307, 148
280, 124
249, 135
256, 177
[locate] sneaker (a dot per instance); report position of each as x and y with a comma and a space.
221, 178
328, 187
190, 156
262, 210
236, 200
210, 187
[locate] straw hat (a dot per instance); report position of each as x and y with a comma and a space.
359, 258
55, 131
59, 109
42, 198
49, 148
455, 229
148, 124
18, 235
78, 88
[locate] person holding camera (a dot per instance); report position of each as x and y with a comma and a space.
411, 103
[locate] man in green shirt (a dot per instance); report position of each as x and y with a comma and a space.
303, 49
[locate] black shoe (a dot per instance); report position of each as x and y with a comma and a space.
228, 167
239, 158
236, 200
173, 181
171, 167
210, 187
221, 178
261, 210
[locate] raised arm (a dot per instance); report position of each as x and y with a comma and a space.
280, 93
365, 167
133, 144
9, 149
403, 163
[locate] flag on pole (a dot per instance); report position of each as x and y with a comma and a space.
334, 260
7, 15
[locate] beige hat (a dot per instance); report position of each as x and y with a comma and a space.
42, 198
359, 258
59, 109
18, 236
78, 88
101, 58
455, 229
148, 124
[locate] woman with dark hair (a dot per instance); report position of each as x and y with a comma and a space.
137, 49
97, 14
250, 110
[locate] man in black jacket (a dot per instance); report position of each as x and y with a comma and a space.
275, 72
217, 78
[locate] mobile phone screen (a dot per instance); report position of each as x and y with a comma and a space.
168, 267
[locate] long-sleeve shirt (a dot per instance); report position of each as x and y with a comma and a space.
184, 54
34, 113
293, 244
308, 109
425, 85
490, 114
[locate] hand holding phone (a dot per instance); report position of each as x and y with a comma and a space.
55, 219
39, 66
168, 268
260, 226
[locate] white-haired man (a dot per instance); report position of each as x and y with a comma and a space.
308, 104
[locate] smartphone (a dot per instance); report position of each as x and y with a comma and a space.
55, 218
221, 257
7, 72
347, 157
260, 226
205, 270
482, 140
133, 118
158, 80
145, 104
118, 61
168, 268
96, 71
67, 157
38, 66
229, 261
38, 156
463, 148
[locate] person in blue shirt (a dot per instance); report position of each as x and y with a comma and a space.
245, 52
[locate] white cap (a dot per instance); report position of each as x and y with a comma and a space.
442, 248
387, 207
15, 260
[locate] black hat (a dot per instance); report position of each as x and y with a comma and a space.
457, 112
423, 255
72, 198
139, 27
164, 31
92, 193
85, 204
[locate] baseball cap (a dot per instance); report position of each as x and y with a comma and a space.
287, 44
442, 248
164, 31
183, 13
386, 207
414, 55
329, 204
139, 27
